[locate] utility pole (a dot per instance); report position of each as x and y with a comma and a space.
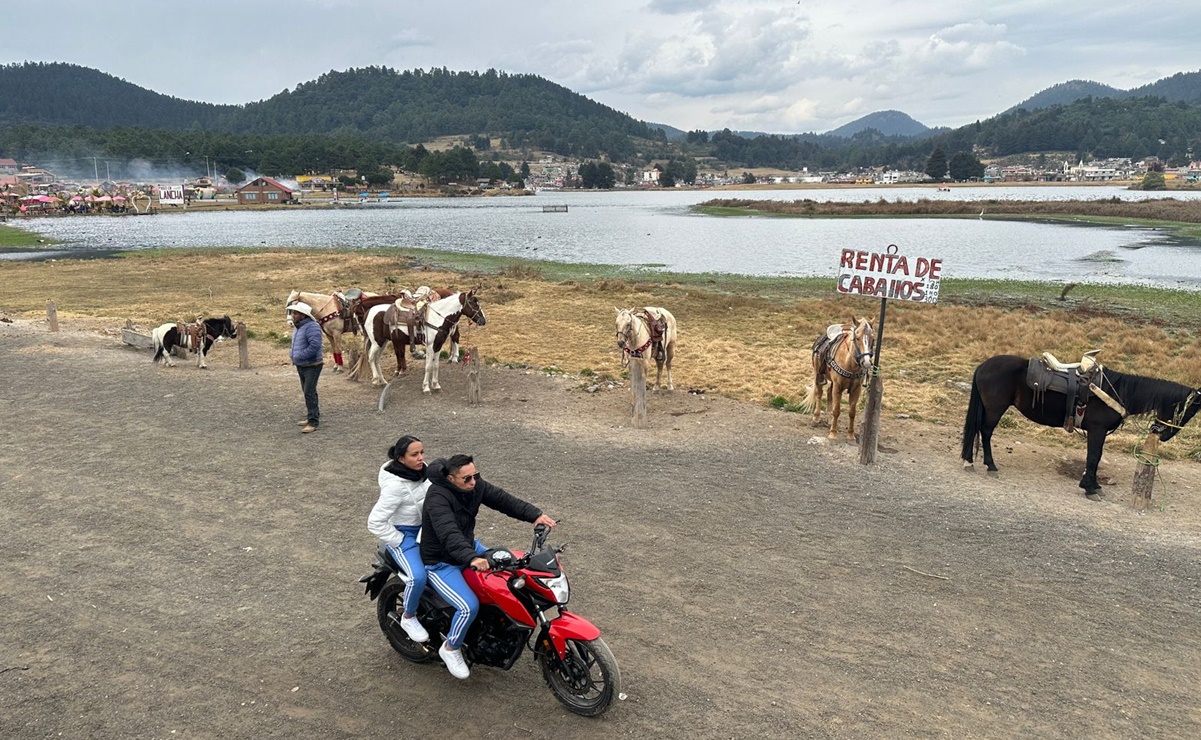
96, 169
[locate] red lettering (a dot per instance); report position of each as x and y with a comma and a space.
935, 269
901, 266
861, 260
848, 258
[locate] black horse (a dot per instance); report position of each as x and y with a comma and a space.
1000, 382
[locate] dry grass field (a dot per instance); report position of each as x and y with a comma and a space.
734, 342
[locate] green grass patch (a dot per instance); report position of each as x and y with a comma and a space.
13, 238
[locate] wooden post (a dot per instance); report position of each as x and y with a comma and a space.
638, 386
473, 375
243, 347
52, 315
1144, 474
869, 429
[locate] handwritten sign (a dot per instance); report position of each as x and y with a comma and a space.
170, 195
889, 275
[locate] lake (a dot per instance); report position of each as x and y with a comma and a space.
658, 230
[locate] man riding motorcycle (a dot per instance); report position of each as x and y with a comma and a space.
448, 542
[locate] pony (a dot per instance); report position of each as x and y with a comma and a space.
650, 327
334, 314
382, 325
198, 338
847, 350
1000, 382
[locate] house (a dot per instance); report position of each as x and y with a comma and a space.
264, 190
8, 166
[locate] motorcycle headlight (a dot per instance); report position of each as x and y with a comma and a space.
558, 586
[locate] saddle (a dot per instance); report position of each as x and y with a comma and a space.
824, 347
194, 333
348, 302
1079, 381
656, 324
408, 310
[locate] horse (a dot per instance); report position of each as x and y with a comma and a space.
650, 327
382, 325
1000, 382
441, 322
847, 350
198, 338
334, 314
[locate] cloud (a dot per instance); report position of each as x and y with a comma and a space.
676, 7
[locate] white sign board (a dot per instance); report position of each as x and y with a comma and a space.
889, 275
170, 195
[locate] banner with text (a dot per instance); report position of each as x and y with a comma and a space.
889, 275
170, 195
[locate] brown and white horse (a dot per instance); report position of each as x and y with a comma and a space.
643, 333
333, 314
842, 357
197, 337
442, 323
392, 321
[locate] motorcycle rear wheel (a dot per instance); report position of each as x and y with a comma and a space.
389, 607
586, 679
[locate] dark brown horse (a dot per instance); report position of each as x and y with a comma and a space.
1000, 382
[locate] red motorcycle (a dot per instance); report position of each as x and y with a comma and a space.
523, 602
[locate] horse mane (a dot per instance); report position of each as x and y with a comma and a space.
1141, 394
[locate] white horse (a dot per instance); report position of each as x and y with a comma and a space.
441, 322
647, 332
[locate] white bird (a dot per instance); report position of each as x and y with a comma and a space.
981, 216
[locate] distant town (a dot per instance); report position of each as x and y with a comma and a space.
31, 189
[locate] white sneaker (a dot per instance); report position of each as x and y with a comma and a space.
454, 662
413, 629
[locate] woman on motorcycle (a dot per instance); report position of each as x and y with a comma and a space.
396, 520
448, 542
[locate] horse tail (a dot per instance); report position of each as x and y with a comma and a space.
812, 398
973, 422
158, 351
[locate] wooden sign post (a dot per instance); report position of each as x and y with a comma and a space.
1144, 473
52, 315
885, 275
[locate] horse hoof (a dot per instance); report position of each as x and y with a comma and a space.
969, 467
1094, 495
992, 474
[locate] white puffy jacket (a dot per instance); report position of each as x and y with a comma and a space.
399, 504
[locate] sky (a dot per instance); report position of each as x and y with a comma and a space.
747, 65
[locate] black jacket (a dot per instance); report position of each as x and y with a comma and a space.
448, 516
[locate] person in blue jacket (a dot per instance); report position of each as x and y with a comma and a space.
307, 356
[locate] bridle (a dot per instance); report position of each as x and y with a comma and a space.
860, 346
626, 337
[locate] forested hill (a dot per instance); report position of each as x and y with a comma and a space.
1181, 87
66, 94
374, 102
417, 105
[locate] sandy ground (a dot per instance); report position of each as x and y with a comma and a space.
181, 562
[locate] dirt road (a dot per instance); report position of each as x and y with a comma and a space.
180, 562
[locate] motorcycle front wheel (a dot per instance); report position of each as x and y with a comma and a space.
389, 607
586, 679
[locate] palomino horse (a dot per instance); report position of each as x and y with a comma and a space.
847, 350
1000, 382
647, 332
334, 315
198, 338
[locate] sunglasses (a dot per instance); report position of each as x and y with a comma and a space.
468, 478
